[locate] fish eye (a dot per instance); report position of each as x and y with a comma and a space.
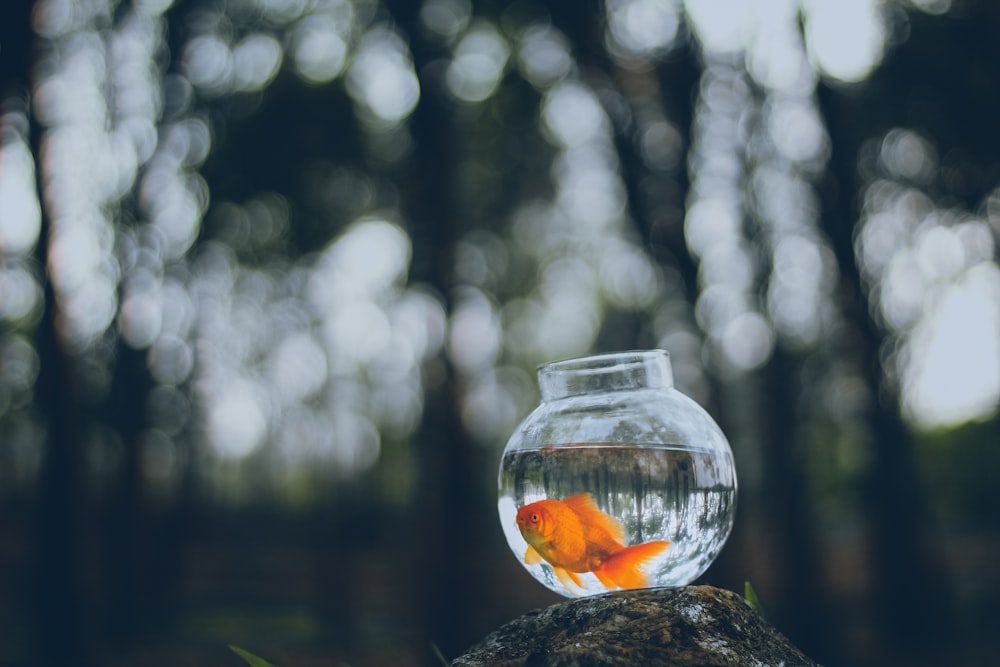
534, 517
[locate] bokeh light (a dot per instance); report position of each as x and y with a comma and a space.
951, 372
543, 55
319, 47
20, 220
721, 27
236, 211
381, 78
446, 18
348, 310
640, 29
20, 215
478, 64
846, 40
931, 272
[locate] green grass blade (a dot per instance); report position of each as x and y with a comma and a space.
249, 657
750, 595
438, 654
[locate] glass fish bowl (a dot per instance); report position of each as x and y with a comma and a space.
616, 480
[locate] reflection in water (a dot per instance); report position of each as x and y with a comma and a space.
656, 492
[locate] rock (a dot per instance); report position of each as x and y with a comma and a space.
694, 626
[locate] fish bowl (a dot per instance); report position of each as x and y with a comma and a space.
616, 480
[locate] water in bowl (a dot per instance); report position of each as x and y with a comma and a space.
655, 492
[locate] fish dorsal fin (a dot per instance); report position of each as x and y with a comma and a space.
584, 506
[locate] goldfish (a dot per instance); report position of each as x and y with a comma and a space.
574, 536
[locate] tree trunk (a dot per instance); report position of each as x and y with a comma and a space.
806, 614
126, 521
55, 582
911, 595
57, 578
449, 497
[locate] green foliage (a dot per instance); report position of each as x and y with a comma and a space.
249, 657
750, 595
438, 654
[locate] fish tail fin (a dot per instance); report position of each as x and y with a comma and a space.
624, 569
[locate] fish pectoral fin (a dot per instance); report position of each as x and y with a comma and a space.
568, 579
531, 556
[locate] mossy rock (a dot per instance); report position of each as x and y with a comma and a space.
693, 626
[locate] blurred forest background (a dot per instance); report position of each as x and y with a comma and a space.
275, 276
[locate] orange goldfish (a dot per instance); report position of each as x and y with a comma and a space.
573, 535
